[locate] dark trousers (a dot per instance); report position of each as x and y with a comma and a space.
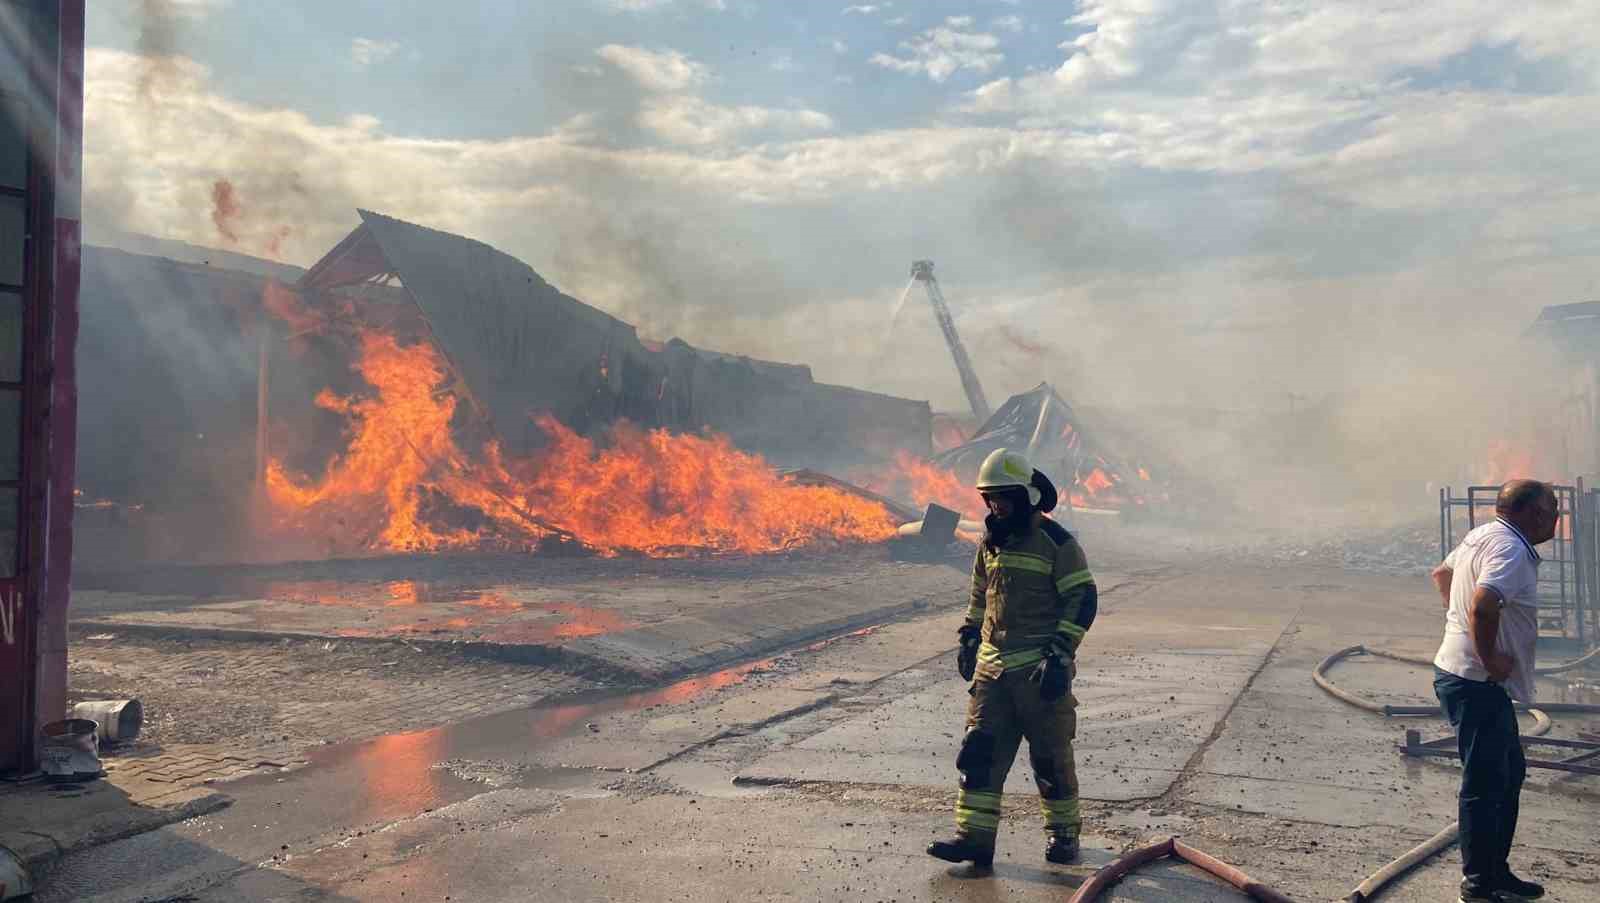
1492, 768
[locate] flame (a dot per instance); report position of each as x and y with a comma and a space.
948, 432
1103, 487
919, 481
402, 483
1509, 461
287, 305
1097, 481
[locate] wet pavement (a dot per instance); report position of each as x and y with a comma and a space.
820, 775
359, 784
658, 620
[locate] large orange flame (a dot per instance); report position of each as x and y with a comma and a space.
919, 482
402, 483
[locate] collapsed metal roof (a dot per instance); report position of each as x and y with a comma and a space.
520, 347
519, 344
1041, 424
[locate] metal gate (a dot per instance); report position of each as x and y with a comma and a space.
1567, 578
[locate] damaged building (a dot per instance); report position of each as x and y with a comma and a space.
194, 371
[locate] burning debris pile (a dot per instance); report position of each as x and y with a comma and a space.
417, 390
403, 483
492, 410
1042, 423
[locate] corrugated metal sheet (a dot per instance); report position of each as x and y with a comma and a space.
523, 348
521, 345
166, 376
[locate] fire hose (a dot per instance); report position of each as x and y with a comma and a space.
1114, 871
1369, 888
1578, 662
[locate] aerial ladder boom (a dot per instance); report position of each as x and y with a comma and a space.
922, 271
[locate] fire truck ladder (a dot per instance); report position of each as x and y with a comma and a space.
922, 271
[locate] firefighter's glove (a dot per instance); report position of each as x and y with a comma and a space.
1054, 677
967, 656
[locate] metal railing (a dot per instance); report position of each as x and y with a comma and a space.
1569, 578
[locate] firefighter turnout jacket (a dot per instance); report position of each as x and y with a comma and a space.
1032, 595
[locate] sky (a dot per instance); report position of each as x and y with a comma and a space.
1198, 203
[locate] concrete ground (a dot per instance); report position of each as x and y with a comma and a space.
821, 772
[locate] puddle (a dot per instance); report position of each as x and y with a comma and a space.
411, 771
823, 644
418, 609
493, 619
393, 594
399, 773
572, 622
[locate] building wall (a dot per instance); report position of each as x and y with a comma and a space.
169, 374
41, 93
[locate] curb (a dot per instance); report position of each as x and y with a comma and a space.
596, 661
556, 657
37, 851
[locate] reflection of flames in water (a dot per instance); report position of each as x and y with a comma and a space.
488, 615
402, 483
398, 774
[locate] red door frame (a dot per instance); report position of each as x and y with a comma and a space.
33, 602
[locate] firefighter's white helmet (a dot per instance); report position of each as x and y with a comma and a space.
1005, 469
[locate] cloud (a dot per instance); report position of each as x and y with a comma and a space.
862, 10
655, 70
1295, 192
945, 50
365, 52
692, 121
1012, 24
674, 113
645, 6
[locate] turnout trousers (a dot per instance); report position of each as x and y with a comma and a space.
1002, 712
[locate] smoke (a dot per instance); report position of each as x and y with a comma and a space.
1306, 333
225, 211
160, 25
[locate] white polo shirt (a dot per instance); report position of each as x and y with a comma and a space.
1495, 555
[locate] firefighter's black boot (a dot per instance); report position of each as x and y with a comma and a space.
963, 849
1061, 850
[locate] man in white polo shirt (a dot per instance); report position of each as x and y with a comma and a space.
1489, 585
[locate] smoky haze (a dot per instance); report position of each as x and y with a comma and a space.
1289, 333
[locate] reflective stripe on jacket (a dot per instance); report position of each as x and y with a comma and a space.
1031, 595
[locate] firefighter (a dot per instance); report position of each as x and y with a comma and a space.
1033, 599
